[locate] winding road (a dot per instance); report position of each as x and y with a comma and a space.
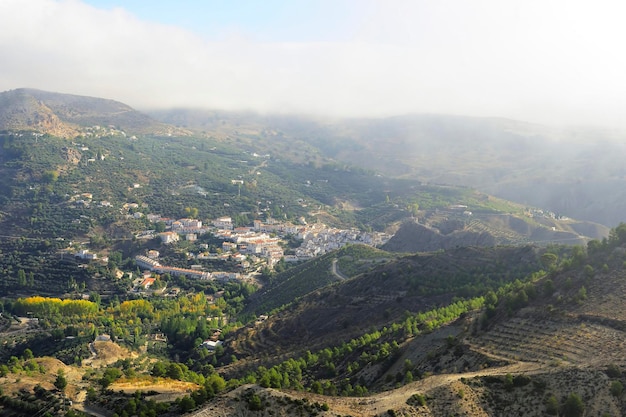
336, 272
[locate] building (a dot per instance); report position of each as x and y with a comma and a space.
86, 255
144, 262
191, 223
169, 237
225, 223
147, 283
212, 345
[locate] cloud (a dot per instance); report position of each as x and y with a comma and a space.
554, 62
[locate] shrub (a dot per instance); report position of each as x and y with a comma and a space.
613, 371
616, 388
416, 399
574, 406
255, 403
552, 405
521, 380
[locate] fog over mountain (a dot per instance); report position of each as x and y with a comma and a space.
552, 63
575, 172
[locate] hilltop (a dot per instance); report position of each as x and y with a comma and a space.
67, 115
447, 231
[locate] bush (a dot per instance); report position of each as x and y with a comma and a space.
255, 403
613, 371
616, 388
521, 380
416, 399
187, 404
552, 405
574, 406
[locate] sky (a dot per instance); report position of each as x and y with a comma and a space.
553, 62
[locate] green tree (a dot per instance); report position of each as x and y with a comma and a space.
617, 236
574, 406
95, 297
255, 403
174, 371
60, 382
21, 277
617, 388
109, 375
158, 369
408, 377
414, 209
159, 227
50, 176
491, 299
191, 212
594, 246
28, 354
187, 404
548, 260
552, 405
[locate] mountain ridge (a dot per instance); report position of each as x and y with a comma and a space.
66, 115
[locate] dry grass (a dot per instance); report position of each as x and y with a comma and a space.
165, 389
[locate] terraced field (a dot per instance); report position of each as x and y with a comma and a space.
554, 342
503, 236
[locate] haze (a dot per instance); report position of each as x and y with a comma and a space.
556, 62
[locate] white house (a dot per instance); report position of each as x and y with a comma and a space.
223, 223
211, 345
169, 237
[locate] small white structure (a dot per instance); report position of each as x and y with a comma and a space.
212, 345
169, 237
225, 223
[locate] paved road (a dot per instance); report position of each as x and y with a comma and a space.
336, 272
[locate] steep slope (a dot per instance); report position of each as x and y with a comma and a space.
64, 115
20, 110
380, 296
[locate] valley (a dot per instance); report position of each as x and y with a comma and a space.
238, 264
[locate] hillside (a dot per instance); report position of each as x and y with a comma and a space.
218, 176
475, 306
573, 172
315, 274
67, 115
549, 346
450, 231
382, 294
